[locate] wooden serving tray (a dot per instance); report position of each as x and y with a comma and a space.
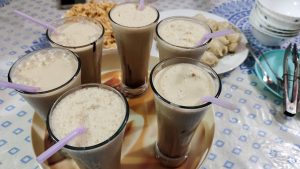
140, 134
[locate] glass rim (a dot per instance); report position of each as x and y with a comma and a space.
112, 137
182, 17
138, 27
56, 88
81, 46
177, 105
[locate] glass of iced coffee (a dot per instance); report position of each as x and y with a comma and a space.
178, 85
104, 112
52, 70
83, 36
178, 36
133, 29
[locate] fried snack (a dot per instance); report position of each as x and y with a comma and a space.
99, 12
209, 58
221, 46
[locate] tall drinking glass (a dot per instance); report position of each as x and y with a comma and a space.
53, 70
104, 112
133, 29
83, 36
178, 85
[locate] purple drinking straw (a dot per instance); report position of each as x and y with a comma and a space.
19, 86
45, 25
214, 35
219, 102
57, 146
141, 5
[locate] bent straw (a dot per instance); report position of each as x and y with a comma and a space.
45, 25
214, 35
219, 102
19, 86
141, 5
57, 146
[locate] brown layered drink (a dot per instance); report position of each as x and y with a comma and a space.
178, 85
83, 36
133, 29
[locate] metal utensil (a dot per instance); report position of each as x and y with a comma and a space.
279, 80
296, 78
265, 77
290, 105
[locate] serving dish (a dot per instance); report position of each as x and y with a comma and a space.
140, 133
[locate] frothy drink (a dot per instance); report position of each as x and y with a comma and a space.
183, 84
84, 37
53, 70
100, 109
178, 36
178, 85
133, 29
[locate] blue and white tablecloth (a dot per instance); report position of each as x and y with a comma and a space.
256, 135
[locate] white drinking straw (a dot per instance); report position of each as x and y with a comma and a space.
214, 35
141, 5
219, 102
45, 25
19, 86
59, 145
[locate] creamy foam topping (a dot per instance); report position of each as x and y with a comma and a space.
184, 84
181, 32
128, 15
46, 69
99, 110
76, 33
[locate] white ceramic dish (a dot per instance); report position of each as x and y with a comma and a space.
277, 21
264, 37
286, 9
272, 24
225, 64
110, 51
264, 26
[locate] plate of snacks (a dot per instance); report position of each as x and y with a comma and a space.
99, 12
224, 53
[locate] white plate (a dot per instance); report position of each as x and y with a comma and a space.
228, 62
109, 51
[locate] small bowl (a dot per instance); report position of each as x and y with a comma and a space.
274, 22
265, 22
273, 31
265, 36
288, 10
267, 39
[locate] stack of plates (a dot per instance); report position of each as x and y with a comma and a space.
275, 21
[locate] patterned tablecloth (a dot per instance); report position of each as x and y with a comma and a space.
256, 135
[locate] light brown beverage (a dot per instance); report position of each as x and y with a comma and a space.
84, 37
53, 70
178, 85
104, 112
133, 29
178, 37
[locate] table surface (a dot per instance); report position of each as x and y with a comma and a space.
256, 135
